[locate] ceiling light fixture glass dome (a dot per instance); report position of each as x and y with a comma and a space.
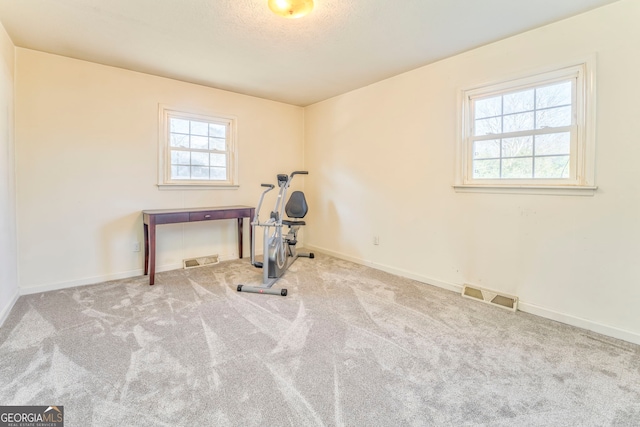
291, 8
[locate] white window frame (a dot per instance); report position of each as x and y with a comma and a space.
582, 157
164, 150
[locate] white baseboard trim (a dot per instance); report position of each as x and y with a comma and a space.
397, 271
28, 290
589, 325
4, 313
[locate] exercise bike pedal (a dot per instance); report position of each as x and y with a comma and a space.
257, 264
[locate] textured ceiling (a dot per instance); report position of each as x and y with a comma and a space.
239, 45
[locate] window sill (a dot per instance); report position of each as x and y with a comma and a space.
527, 189
194, 186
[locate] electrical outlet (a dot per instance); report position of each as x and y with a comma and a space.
136, 247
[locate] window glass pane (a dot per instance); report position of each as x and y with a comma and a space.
553, 143
200, 142
488, 107
518, 122
178, 125
517, 147
486, 149
219, 131
217, 144
199, 128
199, 172
180, 172
179, 140
518, 102
486, 169
218, 174
488, 126
219, 160
552, 167
517, 168
200, 159
554, 95
199, 148
180, 157
553, 117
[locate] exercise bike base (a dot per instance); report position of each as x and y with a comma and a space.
262, 290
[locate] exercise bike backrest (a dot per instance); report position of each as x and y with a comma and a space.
295, 208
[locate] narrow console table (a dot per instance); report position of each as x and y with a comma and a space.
151, 218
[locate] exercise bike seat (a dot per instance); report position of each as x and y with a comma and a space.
296, 208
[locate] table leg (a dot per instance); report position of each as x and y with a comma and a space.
146, 248
152, 253
251, 231
240, 228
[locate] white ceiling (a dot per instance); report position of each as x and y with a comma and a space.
239, 45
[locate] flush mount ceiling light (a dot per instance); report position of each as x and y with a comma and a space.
291, 8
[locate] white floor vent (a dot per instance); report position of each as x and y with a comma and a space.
199, 262
509, 302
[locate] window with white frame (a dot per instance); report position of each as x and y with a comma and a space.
196, 149
535, 131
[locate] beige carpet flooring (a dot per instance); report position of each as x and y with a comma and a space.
349, 346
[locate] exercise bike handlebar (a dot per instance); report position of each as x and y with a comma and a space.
269, 188
299, 173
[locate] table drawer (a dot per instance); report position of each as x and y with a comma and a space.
218, 214
203, 216
171, 218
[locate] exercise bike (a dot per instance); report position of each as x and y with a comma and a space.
279, 251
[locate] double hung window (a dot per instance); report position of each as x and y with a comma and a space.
196, 149
530, 132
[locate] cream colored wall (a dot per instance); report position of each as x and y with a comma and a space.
382, 162
8, 263
86, 142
